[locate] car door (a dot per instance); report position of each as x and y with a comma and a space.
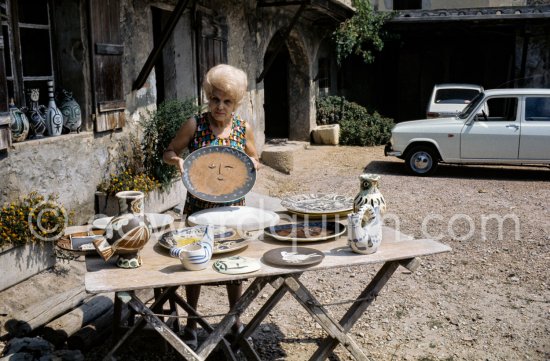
534, 141
493, 137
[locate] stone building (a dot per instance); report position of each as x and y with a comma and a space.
120, 58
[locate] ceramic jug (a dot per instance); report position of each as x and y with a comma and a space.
195, 256
365, 230
127, 233
36, 114
369, 193
72, 118
54, 119
19, 124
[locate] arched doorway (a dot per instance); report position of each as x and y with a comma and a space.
276, 109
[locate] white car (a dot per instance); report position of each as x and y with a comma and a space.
517, 132
447, 100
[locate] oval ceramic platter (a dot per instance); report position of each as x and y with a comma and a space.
237, 265
157, 220
241, 218
218, 174
80, 242
293, 256
306, 232
318, 204
225, 239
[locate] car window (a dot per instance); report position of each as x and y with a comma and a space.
455, 96
537, 108
470, 107
502, 109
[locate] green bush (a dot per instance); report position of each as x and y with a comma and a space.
357, 125
159, 128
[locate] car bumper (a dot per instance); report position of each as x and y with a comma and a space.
389, 152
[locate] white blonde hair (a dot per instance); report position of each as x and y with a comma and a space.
228, 79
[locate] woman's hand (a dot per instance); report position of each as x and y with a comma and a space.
257, 165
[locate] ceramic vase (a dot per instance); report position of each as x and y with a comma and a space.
19, 124
195, 257
36, 114
72, 118
54, 119
369, 193
365, 230
127, 233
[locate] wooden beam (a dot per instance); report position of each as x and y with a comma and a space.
265, 4
166, 32
281, 44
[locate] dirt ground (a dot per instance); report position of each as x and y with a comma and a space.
488, 299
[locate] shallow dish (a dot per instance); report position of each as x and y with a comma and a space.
306, 232
218, 174
237, 265
66, 242
293, 256
225, 239
157, 220
318, 204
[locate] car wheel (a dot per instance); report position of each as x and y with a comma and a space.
422, 160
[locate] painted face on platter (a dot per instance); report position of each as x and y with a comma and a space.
221, 106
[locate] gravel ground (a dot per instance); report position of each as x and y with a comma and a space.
488, 299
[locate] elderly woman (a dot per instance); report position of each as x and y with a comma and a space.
225, 87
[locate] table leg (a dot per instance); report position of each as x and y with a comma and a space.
321, 316
240, 306
364, 300
140, 323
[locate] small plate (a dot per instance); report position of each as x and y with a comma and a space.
293, 256
237, 265
158, 220
318, 204
218, 174
225, 239
306, 232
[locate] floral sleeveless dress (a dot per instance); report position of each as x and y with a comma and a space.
203, 138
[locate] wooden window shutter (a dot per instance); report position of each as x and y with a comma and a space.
107, 51
212, 41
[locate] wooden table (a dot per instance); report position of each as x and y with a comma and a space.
165, 274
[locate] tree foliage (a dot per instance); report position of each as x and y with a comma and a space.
362, 33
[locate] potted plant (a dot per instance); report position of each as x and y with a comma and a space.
29, 228
140, 165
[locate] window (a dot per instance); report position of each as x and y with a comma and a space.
407, 4
28, 60
502, 109
537, 108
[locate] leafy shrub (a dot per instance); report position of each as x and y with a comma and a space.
159, 128
32, 218
357, 125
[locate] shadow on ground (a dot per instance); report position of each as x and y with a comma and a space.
466, 171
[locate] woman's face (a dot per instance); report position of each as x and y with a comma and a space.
221, 106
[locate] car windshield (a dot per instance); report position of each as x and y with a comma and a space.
455, 96
470, 107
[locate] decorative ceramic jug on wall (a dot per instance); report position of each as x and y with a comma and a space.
36, 114
54, 119
369, 193
19, 124
72, 118
127, 233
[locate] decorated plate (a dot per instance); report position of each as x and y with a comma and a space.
158, 220
218, 174
225, 239
237, 265
306, 232
318, 204
293, 256
80, 242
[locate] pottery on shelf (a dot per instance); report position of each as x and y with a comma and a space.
195, 256
19, 124
365, 229
72, 117
54, 119
369, 193
127, 233
36, 114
